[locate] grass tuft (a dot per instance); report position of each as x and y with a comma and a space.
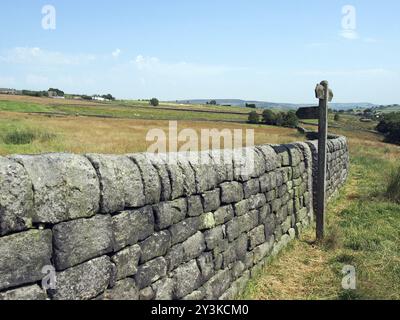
27, 136
393, 185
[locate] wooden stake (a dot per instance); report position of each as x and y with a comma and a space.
322, 146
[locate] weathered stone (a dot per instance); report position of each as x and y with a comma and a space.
132, 226
257, 201
270, 196
154, 246
263, 250
217, 285
146, 294
229, 256
184, 229
207, 221
211, 200
150, 177
126, 261
189, 180
163, 289
33, 292
23, 255
121, 185
193, 246
187, 278
248, 221
205, 175
217, 159
232, 229
268, 181
214, 237
237, 269
16, 197
251, 187
195, 207
271, 159
174, 256
236, 287
270, 225
223, 214
286, 224
256, 237
206, 265
159, 162
242, 207
80, 240
65, 186
123, 290
264, 212
283, 154
84, 281
150, 272
168, 213
231, 192
241, 246
276, 205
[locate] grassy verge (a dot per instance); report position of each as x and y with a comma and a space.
363, 231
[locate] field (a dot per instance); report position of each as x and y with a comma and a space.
52, 125
363, 225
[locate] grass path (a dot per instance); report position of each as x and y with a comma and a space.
363, 230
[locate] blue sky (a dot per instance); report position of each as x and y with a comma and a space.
261, 50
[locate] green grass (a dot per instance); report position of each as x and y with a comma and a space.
393, 185
363, 230
16, 106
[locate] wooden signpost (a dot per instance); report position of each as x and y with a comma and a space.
325, 95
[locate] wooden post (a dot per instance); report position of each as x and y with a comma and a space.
324, 96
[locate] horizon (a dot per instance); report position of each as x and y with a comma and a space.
176, 51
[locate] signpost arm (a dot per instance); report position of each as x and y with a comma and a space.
322, 146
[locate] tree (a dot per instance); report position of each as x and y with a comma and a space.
108, 97
390, 127
290, 119
213, 102
279, 119
154, 102
269, 117
254, 117
251, 105
337, 117
58, 92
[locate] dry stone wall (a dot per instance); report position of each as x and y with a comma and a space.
138, 227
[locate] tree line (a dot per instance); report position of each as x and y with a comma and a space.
268, 117
389, 126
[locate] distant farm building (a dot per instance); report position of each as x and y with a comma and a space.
7, 91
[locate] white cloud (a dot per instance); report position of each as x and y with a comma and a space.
29, 55
153, 65
116, 53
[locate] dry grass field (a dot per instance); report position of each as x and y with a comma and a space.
77, 126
